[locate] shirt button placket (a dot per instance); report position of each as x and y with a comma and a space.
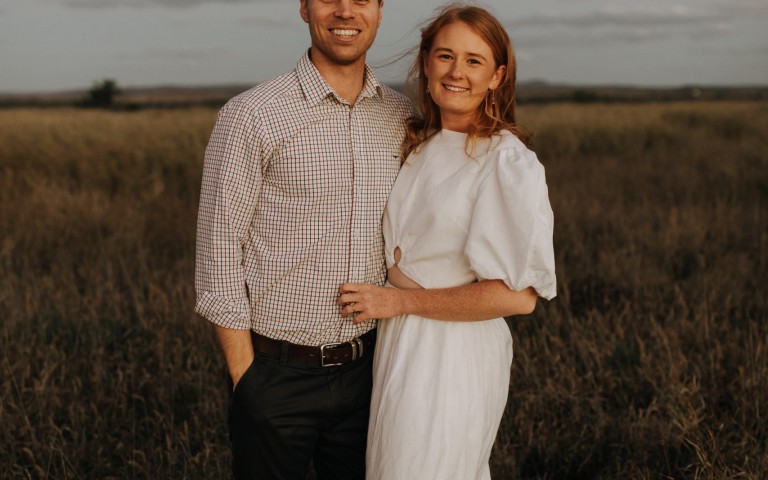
354, 235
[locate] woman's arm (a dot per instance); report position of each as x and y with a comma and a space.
476, 301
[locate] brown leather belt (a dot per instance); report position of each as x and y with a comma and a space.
327, 355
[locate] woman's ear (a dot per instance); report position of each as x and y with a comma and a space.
498, 77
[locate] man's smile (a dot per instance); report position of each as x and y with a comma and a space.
345, 32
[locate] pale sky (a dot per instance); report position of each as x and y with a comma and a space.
51, 45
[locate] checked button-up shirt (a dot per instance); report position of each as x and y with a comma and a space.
295, 181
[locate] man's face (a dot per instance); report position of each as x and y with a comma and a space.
342, 31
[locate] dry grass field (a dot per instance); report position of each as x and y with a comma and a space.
651, 363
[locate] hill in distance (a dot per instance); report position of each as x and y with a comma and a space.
528, 92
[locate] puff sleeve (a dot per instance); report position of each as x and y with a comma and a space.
510, 232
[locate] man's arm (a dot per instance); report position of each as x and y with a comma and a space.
230, 185
476, 301
237, 348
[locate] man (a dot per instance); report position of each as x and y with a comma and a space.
296, 177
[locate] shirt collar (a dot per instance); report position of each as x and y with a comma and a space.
316, 89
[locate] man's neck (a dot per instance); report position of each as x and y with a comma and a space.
346, 80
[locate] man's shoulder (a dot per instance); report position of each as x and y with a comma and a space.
397, 103
389, 94
264, 94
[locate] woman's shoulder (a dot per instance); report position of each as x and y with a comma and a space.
506, 140
441, 143
509, 152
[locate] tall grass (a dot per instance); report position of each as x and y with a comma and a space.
105, 370
652, 362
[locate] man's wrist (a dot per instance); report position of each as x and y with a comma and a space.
238, 369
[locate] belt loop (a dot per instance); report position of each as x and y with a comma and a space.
283, 353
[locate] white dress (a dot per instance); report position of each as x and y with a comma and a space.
440, 387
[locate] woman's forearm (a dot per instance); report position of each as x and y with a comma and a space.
476, 301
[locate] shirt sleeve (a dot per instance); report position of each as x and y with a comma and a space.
229, 192
510, 234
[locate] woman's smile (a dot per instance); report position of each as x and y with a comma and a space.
460, 69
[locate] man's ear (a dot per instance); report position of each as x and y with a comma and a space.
381, 12
303, 10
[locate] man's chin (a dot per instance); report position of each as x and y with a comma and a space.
344, 56
346, 59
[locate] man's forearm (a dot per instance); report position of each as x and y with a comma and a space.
237, 348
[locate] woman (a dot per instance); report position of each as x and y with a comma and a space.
468, 232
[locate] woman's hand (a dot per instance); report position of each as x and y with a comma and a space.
363, 301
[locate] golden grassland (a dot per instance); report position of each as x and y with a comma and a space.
652, 362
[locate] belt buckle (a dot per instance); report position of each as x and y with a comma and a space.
322, 354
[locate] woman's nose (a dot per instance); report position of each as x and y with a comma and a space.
456, 71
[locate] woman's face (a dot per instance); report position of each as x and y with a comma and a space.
460, 69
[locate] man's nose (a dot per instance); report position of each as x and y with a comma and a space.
344, 9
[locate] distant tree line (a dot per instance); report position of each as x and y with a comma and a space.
102, 94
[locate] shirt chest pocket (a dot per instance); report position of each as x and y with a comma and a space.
376, 168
